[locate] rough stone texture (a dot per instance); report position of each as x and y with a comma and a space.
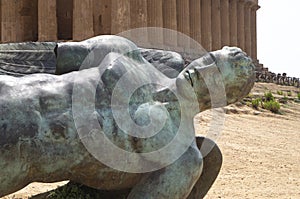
34, 57
39, 140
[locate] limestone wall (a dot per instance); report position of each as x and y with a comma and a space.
213, 23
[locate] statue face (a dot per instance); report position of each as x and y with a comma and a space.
237, 70
225, 75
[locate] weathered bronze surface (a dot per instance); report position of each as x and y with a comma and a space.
39, 140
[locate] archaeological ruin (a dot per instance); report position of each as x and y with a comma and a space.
213, 23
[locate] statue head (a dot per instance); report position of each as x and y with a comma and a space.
237, 70
228, 73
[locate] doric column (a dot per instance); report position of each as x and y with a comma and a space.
225, 26
170, 22
233, 24
102, 17
82, 19
206, 35
27, 14
138, 13
216, 24
248, 40
64, 13
155, 19
183, 22
195, 21
254, 32
9, 21
120, 16
0, 21
138, 19
47, 20
241, 24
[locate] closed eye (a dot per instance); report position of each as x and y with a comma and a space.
213, 57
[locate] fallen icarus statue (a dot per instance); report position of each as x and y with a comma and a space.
56, 127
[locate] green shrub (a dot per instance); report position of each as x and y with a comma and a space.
298, 96
289, 93
273, 106
69, 191
255, 103
284, 100
77, 191
269, 96
279, 92
250, 95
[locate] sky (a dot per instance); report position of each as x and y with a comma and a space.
278, 29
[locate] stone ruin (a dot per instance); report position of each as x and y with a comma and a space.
264, 75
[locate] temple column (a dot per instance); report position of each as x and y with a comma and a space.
102, 17
64, 13
233, 22
155, 19
138, 13
254, 32
241, 24
19, 20
82, 19
9, 21
0, 21
248, 41
47, 21
120, 16
195, 21
206, 34
138, 19
225, 26
216, 24
170, 22
183, 22
27, 14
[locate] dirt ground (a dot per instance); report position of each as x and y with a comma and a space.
261, 151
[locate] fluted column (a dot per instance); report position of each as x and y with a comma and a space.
241, 24
225, 26
195, 21
138, 13
64, 13
155, 19
9, 21
120, 16
27, 15
248, 40
82, 19
138, 19
183, 22
254, 32
102, 17
206, 34
216, 24
0, 21
170, 22
47, 20
233, 22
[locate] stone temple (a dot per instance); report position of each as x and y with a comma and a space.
212, 23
